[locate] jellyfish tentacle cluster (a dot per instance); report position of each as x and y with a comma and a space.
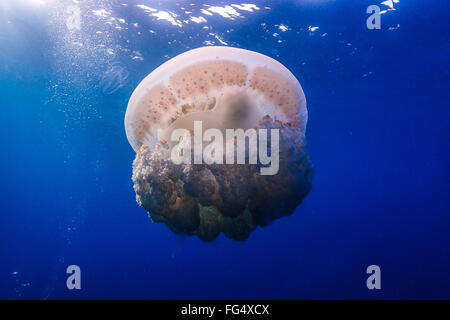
225, 88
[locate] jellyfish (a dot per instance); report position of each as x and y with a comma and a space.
222, 88
114, 78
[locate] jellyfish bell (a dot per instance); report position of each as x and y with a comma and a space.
224, 88
234, 86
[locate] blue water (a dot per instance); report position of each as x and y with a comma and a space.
378, 135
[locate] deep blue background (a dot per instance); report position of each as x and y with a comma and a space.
378, 135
